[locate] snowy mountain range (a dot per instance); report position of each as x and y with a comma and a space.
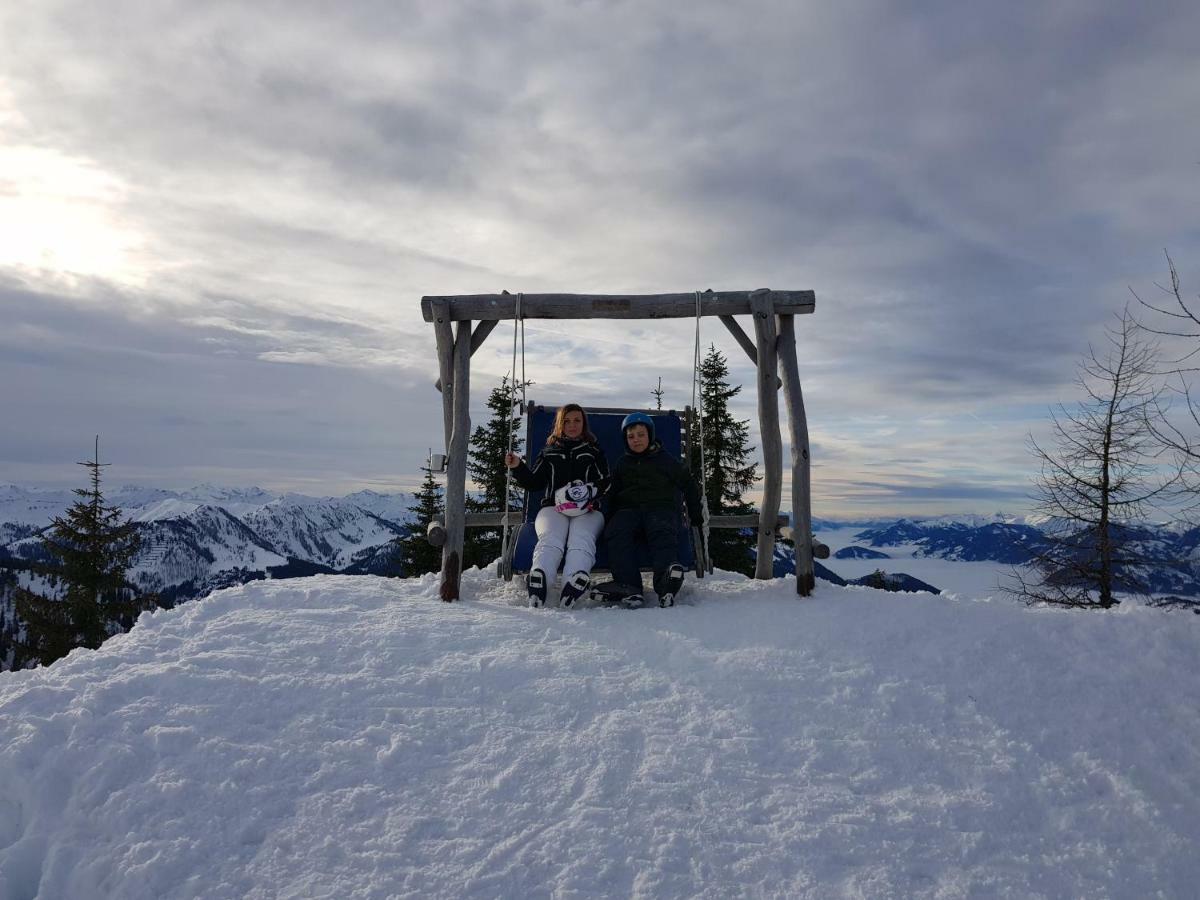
1169, 551
208, 536
197, 540
997, 541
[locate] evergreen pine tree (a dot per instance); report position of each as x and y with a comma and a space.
658, 394
414, 552
485, 466
93, 549
7, 631
727, 472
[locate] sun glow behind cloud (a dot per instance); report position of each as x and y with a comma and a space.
60, 214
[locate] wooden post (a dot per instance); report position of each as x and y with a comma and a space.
445, 348
768, 422
478, 336
801, 476
743, 339
456, 474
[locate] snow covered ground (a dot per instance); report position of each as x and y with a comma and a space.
355, 737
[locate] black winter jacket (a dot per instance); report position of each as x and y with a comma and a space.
653, 479
562, 462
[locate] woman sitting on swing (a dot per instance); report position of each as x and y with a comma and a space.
573, 472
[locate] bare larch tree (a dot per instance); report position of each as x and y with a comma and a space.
1178, 321
1102, 475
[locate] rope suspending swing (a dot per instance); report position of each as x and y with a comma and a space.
518, 325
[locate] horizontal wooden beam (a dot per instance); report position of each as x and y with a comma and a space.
747, 521
485, 307
819, 550
495, 519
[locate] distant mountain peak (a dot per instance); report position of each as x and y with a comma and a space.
208, 491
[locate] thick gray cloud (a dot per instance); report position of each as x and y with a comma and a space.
249, 200
176, 400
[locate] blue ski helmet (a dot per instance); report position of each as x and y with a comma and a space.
638, 418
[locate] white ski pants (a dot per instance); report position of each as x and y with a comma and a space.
570, 536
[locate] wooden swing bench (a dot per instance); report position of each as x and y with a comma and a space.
669, 427
773, 352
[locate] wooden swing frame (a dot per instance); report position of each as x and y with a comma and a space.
773, 352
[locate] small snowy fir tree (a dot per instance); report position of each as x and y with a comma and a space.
92, 548
8, 632
413, 551
485, 466
657, 393
727, 472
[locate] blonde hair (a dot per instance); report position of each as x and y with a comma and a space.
560, 418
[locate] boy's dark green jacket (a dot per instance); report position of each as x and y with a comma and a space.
652, 480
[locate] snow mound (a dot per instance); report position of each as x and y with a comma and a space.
355, 737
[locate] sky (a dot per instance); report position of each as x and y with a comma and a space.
217, 221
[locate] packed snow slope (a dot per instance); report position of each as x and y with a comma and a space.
350, 737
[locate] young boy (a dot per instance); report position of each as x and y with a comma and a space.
644, 504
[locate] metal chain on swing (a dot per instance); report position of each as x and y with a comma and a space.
518, 324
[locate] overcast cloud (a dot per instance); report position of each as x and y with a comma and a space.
217, 221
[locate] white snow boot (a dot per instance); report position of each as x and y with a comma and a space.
573, 589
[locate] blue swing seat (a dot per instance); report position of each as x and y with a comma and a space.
606, 425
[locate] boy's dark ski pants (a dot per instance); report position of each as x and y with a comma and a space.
659, 528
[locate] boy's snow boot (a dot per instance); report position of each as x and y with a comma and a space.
671, 586
573, 589
536, 583
611, 591
633, 601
